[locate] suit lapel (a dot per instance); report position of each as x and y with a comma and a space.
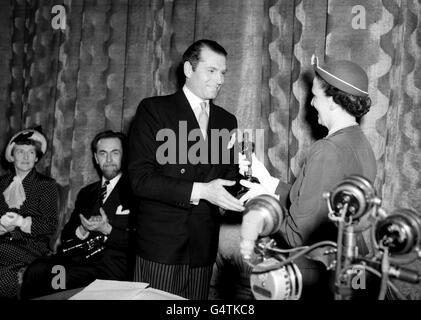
185, 111
92, 201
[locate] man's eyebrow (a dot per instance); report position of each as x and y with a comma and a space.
216, 68
103, 150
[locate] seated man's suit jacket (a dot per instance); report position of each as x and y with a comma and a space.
117, 254
170, 230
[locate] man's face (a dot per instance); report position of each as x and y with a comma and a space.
108, 155
207, 79
321, 103
24, 157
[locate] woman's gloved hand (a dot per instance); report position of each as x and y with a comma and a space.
259, 171
11, 220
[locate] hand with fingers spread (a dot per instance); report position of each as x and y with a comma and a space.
215, 193
97, 223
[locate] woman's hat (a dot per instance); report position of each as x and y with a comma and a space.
28, 134
344, 75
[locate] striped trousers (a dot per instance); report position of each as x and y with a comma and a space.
182, 280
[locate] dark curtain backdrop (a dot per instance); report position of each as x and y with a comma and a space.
92, 75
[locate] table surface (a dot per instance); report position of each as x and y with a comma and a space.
62, 295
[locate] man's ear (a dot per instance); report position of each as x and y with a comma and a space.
96, 159
188, 69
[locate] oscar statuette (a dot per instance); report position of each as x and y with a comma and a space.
247, 149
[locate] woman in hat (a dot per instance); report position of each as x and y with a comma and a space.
340, 97
28, 209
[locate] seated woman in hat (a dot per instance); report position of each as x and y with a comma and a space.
340, 97
28, 209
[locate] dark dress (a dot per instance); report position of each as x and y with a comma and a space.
17, 248
344, 153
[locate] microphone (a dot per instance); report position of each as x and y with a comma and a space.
400, 232
355, 194
263, 215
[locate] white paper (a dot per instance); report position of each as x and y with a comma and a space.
122, 290
155, 294
110, 290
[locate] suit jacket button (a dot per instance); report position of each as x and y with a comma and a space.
182, 171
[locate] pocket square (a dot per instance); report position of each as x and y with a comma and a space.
120, 211
231, 142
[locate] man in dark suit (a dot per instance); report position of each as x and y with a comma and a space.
101, 217
180, 161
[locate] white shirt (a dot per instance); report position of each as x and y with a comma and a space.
195, 102
111, 185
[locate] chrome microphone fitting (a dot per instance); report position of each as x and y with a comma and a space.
400, 232
356, 194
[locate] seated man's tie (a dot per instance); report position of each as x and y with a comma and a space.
103, 191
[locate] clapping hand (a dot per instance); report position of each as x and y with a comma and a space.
3, 230
97, 223
11, 220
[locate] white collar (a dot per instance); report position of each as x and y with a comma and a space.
113, 182
194, 100
336, 129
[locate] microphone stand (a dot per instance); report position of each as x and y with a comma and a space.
345, 254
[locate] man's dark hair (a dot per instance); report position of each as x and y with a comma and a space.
192, 54
354, 105
108, 134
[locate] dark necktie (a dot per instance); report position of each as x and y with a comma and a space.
103, 191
